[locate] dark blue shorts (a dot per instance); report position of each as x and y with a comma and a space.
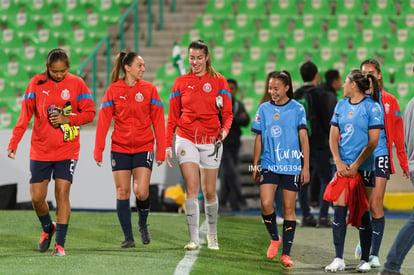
41, 170
288, 182
368, 178
382, 167
121, 161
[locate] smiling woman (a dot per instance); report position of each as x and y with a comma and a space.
282, 149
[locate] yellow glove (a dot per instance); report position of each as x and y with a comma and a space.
67, 109
69, 132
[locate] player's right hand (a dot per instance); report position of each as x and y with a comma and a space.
11, 153
168, 155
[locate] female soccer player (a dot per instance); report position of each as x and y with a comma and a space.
135, 107
392, 134
196, 100
354, 134
282, 150
60, 102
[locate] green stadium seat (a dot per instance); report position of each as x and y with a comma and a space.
302, 39
381, 7
404, 7
337, 40
278, 23
233, 43
310, 23
45, 40
286, 7
22, 24
316, 7
80, 42
123, 3
251, 7
38, 9
239, 72
350, 7
245, 26
74, 10
9, 9
377, 21
221, 8
10, 41
167, 73
209, 25
344, 23
109, 11
96, 27
192, 35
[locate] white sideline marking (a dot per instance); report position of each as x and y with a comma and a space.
185, 265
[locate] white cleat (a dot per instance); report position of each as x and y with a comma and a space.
338, 264
192, 245
363, 266
212, 242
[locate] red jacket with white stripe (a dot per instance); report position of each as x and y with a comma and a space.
47, 142
394, 129
193, 110
134, 110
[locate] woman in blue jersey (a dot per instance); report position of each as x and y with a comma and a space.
281, 151
354, 134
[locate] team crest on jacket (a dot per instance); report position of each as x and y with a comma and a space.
139, 97
350, 114
207, 87
276, 116
65, 94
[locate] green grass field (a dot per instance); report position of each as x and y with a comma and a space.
92, 247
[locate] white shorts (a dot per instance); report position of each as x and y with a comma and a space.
186, 151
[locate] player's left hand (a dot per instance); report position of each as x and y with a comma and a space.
58, 119
222, 135
406, 174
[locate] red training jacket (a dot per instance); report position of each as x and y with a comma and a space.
394, 129
193, 108
134, 110
356, 196
47, 143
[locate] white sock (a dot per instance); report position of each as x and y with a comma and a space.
192, 214
211, 208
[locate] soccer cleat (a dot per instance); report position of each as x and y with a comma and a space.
374, 261
212, 242
309, 221
363, 266
58, 251
145, 235
128, 244
358, 251
192, 245
324, 223
273, 247
337, 264
286, 260
387, 272
45, 239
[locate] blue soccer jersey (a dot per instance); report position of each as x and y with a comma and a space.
381, 149
279, 126
354, 121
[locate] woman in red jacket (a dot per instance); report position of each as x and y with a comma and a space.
196, 100
135, 107
60, 102
394, 132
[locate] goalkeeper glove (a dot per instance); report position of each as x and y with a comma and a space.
69, 132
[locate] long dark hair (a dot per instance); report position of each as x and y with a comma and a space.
201, 45
122, 59
377, 67
363, 83
54, 55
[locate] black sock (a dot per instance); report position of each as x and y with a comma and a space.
365, 236
288, 235
124, 215
339, 230
270, 222
143, 211
46, 223
61, 230
377, 233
